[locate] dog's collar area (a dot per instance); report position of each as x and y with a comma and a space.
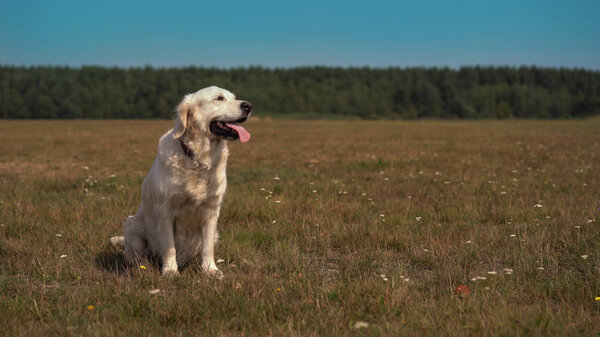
186, 149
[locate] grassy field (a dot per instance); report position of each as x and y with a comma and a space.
415, 228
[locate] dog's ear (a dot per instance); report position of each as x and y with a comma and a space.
181, 121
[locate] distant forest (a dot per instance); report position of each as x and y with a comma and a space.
328, 92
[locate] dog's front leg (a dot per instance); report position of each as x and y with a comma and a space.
167, 250
209, 239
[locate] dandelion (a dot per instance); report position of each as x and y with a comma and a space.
154, 291
597, 298
143, 267
462, 290
360, 325
278, 289
91, 307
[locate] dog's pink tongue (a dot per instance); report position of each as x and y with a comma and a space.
244, 135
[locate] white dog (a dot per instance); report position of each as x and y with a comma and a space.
182, 194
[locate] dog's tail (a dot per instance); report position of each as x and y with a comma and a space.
117, 241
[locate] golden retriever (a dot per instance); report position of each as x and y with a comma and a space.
182, 193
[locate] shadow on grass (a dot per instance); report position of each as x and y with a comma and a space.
113, 261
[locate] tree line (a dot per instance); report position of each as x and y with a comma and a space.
329, 92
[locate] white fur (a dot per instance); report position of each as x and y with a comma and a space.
181, 196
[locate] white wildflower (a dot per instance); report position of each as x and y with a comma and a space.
360, 325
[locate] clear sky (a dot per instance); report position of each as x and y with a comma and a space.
284, 33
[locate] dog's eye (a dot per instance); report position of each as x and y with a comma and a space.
220, 98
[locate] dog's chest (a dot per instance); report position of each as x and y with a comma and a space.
204, 186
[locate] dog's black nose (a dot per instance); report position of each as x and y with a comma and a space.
246, 107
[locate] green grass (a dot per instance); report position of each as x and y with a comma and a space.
430, 205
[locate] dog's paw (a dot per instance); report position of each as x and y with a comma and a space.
170, 272
210, 268
117, 241
216, 273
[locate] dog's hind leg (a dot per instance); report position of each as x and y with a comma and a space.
134, 241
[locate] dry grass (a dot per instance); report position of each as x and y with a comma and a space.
429, 205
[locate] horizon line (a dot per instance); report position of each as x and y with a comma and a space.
291, 67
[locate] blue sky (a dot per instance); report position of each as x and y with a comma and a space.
293, 33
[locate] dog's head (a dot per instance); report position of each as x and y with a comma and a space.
215, 112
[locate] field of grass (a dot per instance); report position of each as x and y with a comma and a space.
421, 228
